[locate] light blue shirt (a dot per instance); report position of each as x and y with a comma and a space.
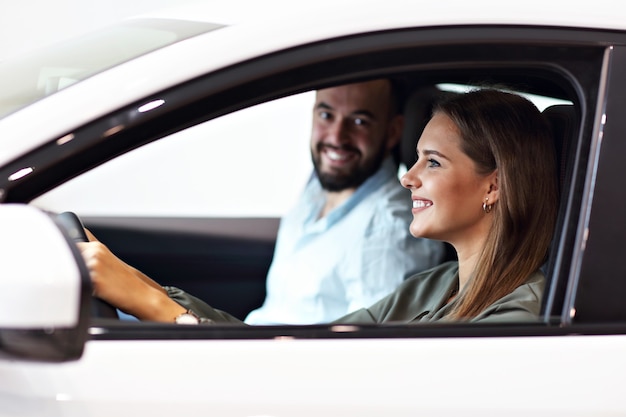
324, 268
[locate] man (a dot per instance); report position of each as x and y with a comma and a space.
346, 242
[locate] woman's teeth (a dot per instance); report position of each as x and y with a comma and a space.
421, 203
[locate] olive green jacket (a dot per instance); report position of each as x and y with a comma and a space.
421, 298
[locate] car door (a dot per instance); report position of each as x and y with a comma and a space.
513, 369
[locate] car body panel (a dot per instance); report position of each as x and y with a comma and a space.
437, 377
555, 367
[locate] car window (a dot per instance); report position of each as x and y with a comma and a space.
149, 180
203, 171
251, 163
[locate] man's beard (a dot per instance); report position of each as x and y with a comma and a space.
339, 181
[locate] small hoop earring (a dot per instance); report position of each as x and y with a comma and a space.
487, 207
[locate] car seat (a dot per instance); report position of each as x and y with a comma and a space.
564, 123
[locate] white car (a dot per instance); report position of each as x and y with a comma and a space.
180, 142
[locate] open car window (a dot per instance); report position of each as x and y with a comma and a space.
217, 207
250, 163
197, 185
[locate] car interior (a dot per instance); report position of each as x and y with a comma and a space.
238, 265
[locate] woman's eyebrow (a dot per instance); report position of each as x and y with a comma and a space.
428, 152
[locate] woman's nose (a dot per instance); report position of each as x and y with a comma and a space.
410, 179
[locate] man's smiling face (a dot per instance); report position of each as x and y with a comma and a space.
353, 131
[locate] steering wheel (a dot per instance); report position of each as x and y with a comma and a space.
76, 230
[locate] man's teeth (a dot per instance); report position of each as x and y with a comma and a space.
421, 203
335, 156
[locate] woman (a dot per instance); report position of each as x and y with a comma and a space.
484, 181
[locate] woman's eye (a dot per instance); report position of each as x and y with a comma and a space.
433, 163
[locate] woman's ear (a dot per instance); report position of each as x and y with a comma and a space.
493, 191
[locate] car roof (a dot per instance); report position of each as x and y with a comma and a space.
373, 14
348, 13
248, 36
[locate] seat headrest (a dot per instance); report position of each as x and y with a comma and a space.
417, 112
564, 123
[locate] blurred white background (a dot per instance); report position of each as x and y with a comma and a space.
175, 180
29, 24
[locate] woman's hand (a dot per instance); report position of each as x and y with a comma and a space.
125, 287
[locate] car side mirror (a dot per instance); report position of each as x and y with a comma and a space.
46, 290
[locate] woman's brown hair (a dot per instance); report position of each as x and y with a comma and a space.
506, 132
